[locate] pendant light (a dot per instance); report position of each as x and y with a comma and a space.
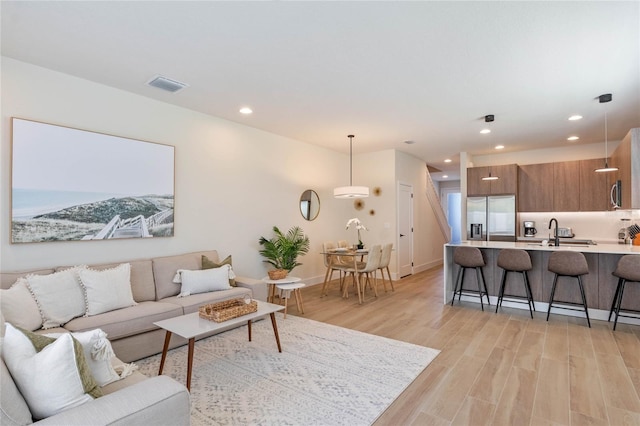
351, 191
489, 119
604, 99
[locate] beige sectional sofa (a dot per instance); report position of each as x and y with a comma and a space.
135, 399
130, 330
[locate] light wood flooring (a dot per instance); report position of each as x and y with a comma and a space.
500, 369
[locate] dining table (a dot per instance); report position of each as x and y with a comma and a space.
335, 260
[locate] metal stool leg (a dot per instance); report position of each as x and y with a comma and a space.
455, 287
478, 272
527, 287
614, 302
584, 300
501, 292
615, 323
553, 292
484, 283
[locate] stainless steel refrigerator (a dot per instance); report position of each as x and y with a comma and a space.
491, 218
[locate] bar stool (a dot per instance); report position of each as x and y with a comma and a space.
470, 257
627, 270
515, 260
568, 264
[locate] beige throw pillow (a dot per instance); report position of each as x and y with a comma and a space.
18, 306
108, 289
59, 296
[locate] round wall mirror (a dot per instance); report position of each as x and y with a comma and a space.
309, 204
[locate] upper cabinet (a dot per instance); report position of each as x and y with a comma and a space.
626, 158
507, 182
566, 186
535, 188
594, 187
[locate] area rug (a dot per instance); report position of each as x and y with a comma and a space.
325, 375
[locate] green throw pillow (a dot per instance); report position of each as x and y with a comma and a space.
210, 264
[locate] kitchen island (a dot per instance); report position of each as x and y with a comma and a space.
600, 284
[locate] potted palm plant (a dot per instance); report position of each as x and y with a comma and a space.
282, 250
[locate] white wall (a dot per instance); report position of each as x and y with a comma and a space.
233, 182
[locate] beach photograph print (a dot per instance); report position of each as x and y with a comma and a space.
70, 185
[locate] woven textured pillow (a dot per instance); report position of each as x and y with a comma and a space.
59, 296
204, 280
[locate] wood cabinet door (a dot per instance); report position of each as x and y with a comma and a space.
535, 188
508, 182
566, 186
475, 184
594, 187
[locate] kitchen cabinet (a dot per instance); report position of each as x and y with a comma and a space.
626, 158
535, 188
506, 184
566, 186
594, 187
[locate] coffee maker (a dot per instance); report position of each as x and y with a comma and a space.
529, 228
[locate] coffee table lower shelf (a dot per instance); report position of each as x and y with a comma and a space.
191, 326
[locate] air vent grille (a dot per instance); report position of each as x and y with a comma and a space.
167, 84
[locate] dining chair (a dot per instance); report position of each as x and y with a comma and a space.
332, 263
371, 266
385, 259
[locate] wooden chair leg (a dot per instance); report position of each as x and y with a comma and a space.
390, 280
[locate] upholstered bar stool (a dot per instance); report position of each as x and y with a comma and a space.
627, 270
469, 258
514, 260
568, 264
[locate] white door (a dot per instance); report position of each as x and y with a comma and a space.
405, 228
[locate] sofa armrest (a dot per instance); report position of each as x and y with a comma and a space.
159, 400
258, 287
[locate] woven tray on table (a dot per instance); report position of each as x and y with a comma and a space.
223, 311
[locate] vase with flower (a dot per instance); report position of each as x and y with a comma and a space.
359, 226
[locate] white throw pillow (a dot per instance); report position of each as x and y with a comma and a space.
204, 280
107, 290
52, 380
98, 354
59, 296
18, 306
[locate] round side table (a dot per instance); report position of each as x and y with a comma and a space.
271, 284
285, 291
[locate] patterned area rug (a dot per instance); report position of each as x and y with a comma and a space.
325, 375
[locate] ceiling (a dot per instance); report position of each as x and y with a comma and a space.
388, 72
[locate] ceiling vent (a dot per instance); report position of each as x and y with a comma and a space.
167, 84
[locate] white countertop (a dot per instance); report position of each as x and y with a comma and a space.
564, 245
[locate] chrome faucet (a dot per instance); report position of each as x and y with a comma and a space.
556, 240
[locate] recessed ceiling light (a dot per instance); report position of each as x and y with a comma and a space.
499, 146
409, 142
575, 117
447, 160
573, 138
445, 176
246, 110
485, 131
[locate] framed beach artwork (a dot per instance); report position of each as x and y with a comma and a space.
69, 184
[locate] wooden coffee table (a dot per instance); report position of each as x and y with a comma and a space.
191, 326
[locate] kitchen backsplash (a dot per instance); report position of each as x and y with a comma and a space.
598, 226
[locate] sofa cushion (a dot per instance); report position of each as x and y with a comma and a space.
19, 307
165, 268
127, 321
13, 408
142, 286
108, 289
59, 296
209, 264
191, 303
7, 279
52, 374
